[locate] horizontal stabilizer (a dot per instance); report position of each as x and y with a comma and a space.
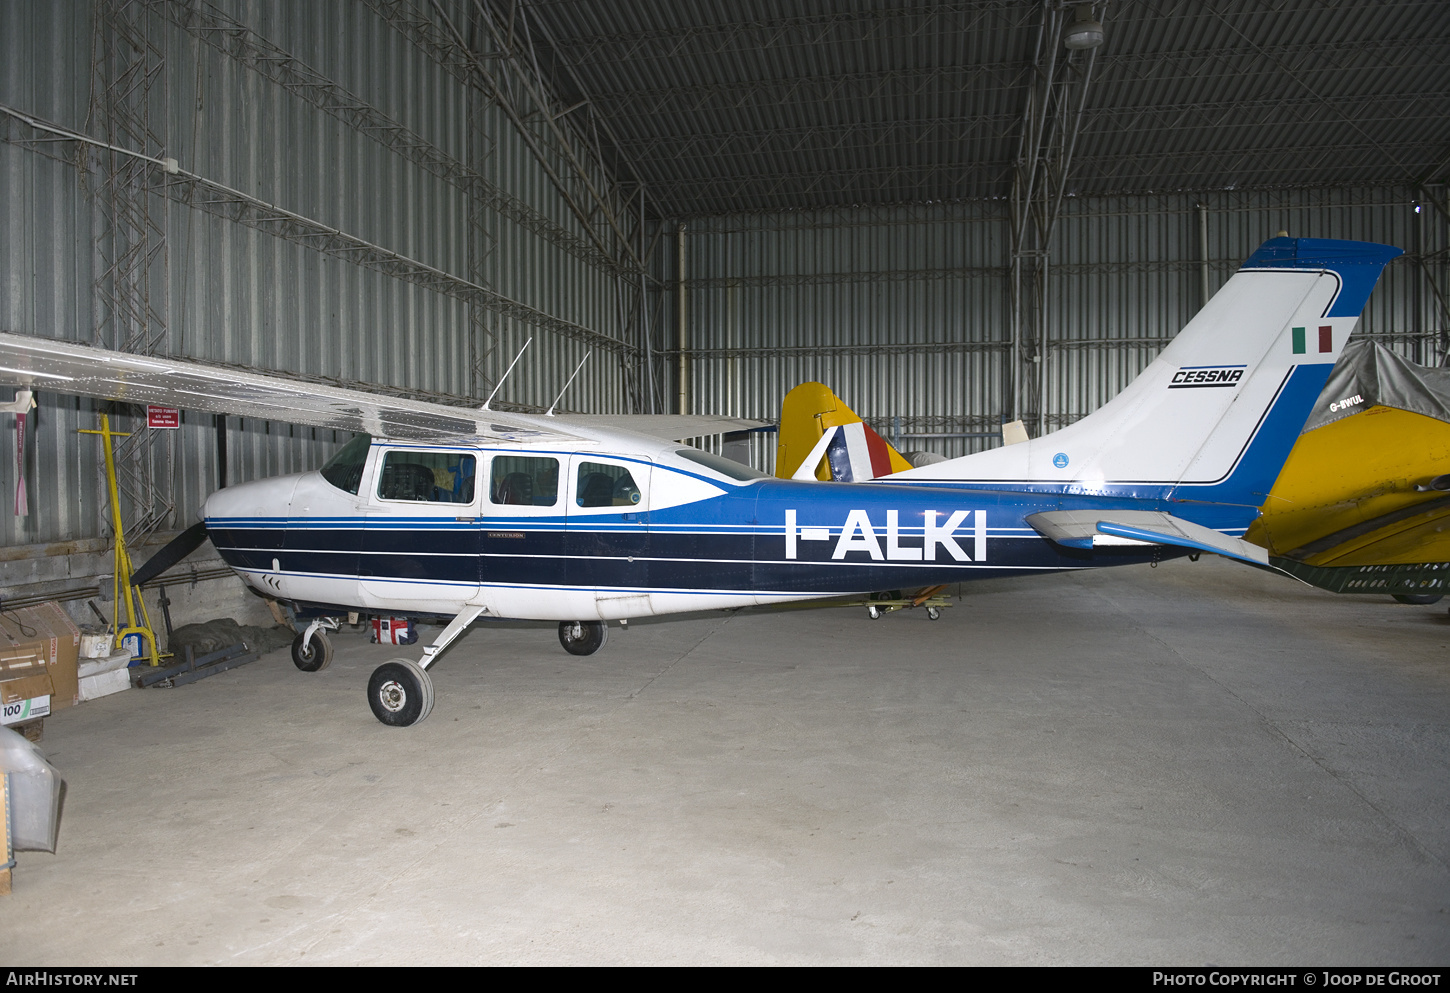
1087, 528
807, 469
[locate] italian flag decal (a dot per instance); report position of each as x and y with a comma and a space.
1326, 340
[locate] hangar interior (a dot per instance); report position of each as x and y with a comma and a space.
942, 211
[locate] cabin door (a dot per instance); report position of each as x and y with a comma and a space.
420, 543
607, 534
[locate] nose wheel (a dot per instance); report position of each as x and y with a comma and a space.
311, 655
582, 637
311, 651
400, 693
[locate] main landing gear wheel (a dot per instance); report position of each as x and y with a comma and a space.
400, 693
582, 637
315, 656
1417, 598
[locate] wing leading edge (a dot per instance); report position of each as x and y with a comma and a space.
67, 367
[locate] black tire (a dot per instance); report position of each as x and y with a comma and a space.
1417, 598
400, 693
582, 637
316, 656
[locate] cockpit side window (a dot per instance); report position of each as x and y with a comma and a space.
345, 469
430, 477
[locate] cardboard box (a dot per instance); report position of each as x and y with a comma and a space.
23, 673
65, 654
24, 710
24, 688
45, 633
101, 684
16, 663
108, 663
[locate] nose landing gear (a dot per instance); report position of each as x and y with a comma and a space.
311, 651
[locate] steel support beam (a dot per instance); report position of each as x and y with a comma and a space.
1056, 94
131, 285
436, 34
495, 52
208, 24
187, 188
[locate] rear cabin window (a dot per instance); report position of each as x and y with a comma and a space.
345, 469
603, 485
722, 465
427, 477
521, 480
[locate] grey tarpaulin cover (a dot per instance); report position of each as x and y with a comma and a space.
1376, 375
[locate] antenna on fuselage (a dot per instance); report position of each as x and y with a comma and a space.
506, 372
550, 411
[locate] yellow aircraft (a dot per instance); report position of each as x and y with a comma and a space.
851, 453
1363, 503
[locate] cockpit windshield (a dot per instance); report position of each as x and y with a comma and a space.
344, 470
725, 467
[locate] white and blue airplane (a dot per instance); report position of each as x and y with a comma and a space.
444, 511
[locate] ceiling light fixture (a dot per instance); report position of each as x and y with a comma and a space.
1083, 32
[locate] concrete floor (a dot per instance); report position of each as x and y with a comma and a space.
1190, 765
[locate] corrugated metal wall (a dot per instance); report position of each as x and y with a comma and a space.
904, 311
238, 295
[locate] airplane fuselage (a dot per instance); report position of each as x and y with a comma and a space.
683, 537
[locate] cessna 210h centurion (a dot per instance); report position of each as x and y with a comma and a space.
443, 511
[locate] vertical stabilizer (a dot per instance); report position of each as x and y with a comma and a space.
853, 454
1214, 416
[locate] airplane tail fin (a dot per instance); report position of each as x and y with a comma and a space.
1213, 418
822, 438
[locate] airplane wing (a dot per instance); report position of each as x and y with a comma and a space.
668, 427
67, 367
1086, 528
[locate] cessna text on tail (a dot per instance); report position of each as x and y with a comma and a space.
436, 510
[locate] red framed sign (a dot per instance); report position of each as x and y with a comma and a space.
163, 417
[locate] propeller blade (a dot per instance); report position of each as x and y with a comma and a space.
176, 549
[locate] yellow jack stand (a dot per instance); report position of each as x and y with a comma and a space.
123, 591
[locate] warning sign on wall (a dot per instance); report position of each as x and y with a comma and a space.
163, 417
